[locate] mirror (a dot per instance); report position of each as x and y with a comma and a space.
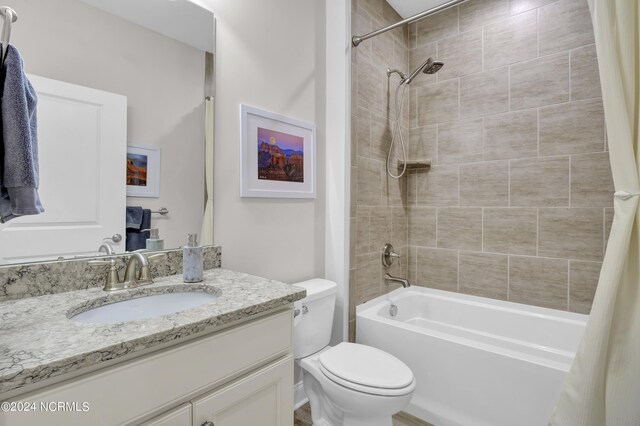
153, 59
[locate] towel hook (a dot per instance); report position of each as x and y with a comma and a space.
10, 16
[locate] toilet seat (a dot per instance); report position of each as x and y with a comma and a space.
366, 369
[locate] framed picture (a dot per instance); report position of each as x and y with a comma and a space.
277, 157
143, 171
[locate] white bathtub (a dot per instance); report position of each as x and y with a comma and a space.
477, 361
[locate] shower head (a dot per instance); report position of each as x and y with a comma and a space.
428, 67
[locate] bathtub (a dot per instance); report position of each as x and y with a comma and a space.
477, 361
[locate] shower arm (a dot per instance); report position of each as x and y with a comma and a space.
356, 40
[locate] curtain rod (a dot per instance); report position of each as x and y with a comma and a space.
356, 40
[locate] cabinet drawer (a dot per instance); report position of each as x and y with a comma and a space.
134, 390
263, 398
180, 416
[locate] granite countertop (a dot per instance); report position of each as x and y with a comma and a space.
38, 341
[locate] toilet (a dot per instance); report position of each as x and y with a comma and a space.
348, 384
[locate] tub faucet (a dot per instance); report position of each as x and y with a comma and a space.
391, 279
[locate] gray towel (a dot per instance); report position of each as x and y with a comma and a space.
19, 174
134, 217
136, 239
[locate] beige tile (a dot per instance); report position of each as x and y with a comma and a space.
485, 275
475, 13
484, 184
423, 143
510, 230
379, 228
412, 272
362, 24
400, 55
405, 419
460, 141
438, 186
352, 293
608, 221
585, 76
413, 42
513, 40
564, 25
519, 6
572, 128
591, 181
362, 123
373, 7
571, 233
583, 281
540, 82
413, 106
412, 186
381, 129
382, 49
362, 241
460, 228
399, 226
437, 103
352, 338
369, 182
353, 196
538, 281
539, 182
435, 27
370, 88
484, 93
437, 268
416, 57
368, 281
422, 226
511, 135
352, 242
461, 54
394, 191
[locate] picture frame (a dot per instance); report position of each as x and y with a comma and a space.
143, 171
277, 155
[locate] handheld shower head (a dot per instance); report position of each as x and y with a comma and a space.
428, 67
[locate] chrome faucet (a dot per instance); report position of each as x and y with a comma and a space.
391, 279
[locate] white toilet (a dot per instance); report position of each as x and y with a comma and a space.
348, 384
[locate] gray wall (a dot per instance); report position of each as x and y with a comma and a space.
163, 80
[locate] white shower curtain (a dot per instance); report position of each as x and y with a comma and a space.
206, 233
603, 386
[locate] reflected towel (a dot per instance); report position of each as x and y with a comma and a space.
137, 239
134, 217
19, 172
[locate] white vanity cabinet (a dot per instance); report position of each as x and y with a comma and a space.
239, 376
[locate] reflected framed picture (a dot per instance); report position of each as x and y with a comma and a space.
277, 155
143, 171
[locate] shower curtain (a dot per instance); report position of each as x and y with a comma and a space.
603, 385
206, 233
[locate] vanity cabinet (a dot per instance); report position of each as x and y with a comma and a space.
240, 376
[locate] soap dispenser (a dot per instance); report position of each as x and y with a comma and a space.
192, 261
154, 243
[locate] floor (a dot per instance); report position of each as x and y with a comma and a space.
302, 417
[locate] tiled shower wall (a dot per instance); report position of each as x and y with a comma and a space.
517, 205
378, 203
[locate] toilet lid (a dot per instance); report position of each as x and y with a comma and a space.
366, 366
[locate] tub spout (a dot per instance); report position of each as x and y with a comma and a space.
390, 279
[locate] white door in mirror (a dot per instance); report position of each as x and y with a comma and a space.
82, 143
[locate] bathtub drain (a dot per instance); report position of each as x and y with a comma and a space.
393, 310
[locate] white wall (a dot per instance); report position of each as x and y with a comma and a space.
163, 80
269, 54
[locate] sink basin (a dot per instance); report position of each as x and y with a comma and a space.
144, 307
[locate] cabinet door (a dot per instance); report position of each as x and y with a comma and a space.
263, 398
180, 416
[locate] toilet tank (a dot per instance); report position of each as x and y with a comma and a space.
312, 325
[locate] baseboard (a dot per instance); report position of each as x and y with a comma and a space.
299, 397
